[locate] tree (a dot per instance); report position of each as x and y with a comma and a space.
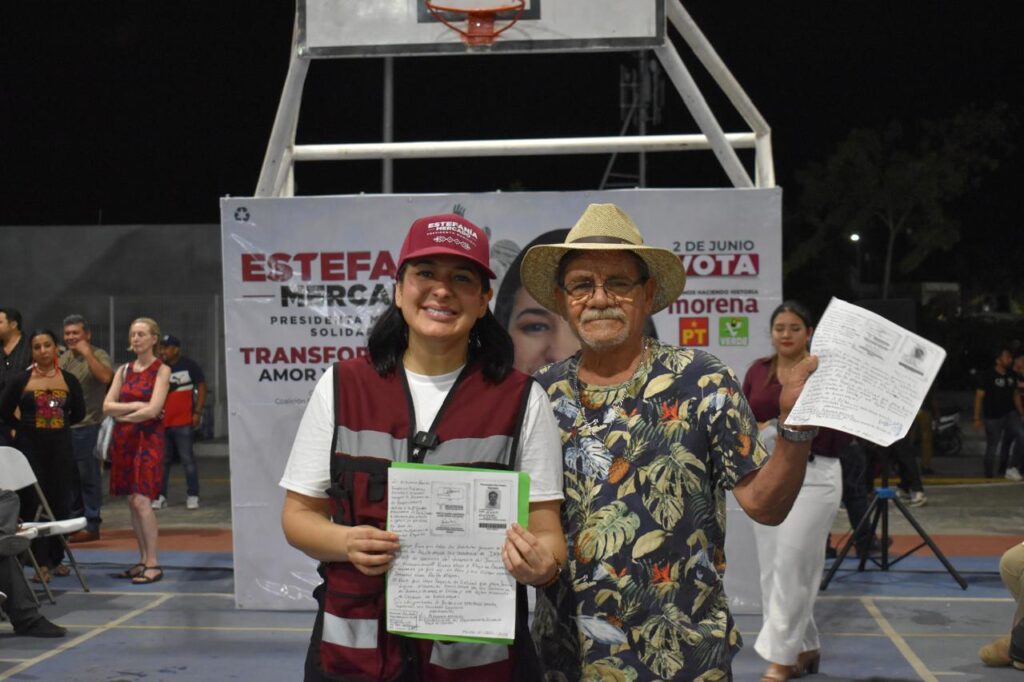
905, 183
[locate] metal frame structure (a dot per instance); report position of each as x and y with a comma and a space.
277, 174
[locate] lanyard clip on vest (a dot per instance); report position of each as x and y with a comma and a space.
423, 441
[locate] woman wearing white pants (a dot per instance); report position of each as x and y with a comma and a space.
792, 554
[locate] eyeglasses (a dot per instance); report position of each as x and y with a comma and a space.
616, 287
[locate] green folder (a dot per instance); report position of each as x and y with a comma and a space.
522, 514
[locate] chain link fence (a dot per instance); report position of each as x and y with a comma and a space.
198, 320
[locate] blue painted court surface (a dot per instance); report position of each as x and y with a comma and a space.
183, 628
911, 623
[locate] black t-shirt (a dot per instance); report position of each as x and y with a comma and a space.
999, 390
17, 362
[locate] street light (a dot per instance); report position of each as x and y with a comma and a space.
855, 238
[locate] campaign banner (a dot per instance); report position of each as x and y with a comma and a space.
305, 278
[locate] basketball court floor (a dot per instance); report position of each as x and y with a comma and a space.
912, 622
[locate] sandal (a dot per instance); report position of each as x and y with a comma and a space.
131, 572
143, 579
42, 575
61, 570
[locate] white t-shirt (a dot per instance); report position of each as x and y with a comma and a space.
308, 471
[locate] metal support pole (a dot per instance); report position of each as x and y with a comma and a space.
611, 160
538, 147
220, 390
705, 52
276, 176
387, 172
698, 107
645, 111
110, 316
764, 167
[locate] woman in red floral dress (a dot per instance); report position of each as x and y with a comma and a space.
135, 401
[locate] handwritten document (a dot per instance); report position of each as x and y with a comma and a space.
448, 580
872, 375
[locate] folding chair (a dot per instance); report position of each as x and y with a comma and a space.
28, 534
15, 474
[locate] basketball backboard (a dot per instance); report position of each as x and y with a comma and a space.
362, 28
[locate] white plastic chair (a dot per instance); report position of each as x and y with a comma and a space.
15, 474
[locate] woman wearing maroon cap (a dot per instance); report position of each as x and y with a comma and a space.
438, 387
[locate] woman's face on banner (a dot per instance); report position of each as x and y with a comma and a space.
540, 336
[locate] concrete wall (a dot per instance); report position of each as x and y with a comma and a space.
115, 273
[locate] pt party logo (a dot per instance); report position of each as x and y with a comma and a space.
693, 331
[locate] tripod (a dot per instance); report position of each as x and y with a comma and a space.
877, 511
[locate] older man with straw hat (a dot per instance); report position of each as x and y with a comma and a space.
652, 437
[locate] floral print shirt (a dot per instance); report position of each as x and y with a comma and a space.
646, 465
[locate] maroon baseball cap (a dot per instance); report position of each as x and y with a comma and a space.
448, 234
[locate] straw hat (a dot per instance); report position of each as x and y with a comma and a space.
602, 227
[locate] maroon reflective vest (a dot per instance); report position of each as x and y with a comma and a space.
478, 425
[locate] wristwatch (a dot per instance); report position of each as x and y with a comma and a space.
794, 436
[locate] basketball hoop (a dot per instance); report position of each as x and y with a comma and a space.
480, 29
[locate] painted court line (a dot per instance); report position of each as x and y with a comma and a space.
129, 593
916, 663
203, 628
869, 635
84, 637
881, 597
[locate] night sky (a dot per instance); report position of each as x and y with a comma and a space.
147, 112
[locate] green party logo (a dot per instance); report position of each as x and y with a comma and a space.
733, 331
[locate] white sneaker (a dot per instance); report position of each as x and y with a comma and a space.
1013, 474
192, 502
917, 499
159, 503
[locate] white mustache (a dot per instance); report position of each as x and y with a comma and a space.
591, 314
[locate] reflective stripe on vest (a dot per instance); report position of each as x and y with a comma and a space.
366, 443
459, 655
355, 633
